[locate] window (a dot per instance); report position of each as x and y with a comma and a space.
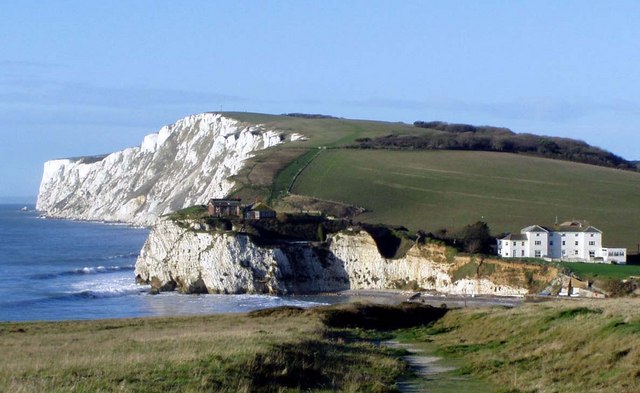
551, 242
592, 254
523, 243
514, 243
576, 242
538, 242
522, 253
538, 254
564, 243
563, 234
564, 252
575, 252
592, 235
576, 235
537, 234
592, 243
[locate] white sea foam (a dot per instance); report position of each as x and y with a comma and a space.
113, 287
102, 269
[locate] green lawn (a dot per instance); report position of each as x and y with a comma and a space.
434, 189
602, 271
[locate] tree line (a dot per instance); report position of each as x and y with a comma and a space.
485, 138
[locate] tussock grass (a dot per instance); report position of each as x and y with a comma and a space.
568, 346
280, 350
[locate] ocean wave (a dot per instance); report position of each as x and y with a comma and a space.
114, 292
83, 270
92, 258
101, 269
84, 294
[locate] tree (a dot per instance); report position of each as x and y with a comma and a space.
476, 238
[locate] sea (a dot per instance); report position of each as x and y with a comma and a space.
54, 269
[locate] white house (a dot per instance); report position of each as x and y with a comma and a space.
574, 241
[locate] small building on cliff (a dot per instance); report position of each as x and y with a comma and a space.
259, 211
224, 207
573, 241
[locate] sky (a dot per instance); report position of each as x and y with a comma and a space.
91, 77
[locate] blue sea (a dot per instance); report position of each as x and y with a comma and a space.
66, 270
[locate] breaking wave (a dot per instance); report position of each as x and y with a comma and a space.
84, 270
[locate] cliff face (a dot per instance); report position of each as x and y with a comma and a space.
176, 256
182, 165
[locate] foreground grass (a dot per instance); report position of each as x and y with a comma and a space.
569, 346
280, 350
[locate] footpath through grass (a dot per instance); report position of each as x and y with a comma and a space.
278, 350
560, 346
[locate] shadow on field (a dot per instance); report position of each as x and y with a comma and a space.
337, 362
380, 317
311, 364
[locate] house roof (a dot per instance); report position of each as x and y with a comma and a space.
514, 236
569, 226
577, 229
224, 202
261, 206
534, 228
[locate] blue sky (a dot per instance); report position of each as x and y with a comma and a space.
89, 77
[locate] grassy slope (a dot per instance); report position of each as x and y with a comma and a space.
285, 352
435, 189
279, 165
567, 346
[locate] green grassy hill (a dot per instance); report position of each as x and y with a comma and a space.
431, 190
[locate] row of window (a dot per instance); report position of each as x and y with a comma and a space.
564, 234
564, 243
592, 253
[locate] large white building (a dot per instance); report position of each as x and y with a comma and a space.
570, 241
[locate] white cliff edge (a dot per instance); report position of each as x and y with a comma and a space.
182, 165
178, 257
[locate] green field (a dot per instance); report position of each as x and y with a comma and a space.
432, 190
447, 189
270, 172
602, 271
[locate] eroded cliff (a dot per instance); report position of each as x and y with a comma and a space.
183, 164
177, 256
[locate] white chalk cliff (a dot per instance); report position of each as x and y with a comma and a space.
182, 165
177, 256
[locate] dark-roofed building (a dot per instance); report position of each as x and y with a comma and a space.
259, 211
225, 207
570, 241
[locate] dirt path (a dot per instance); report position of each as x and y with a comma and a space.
432, 371
425, 367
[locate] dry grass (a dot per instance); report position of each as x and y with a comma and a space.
563, 346
268, 352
